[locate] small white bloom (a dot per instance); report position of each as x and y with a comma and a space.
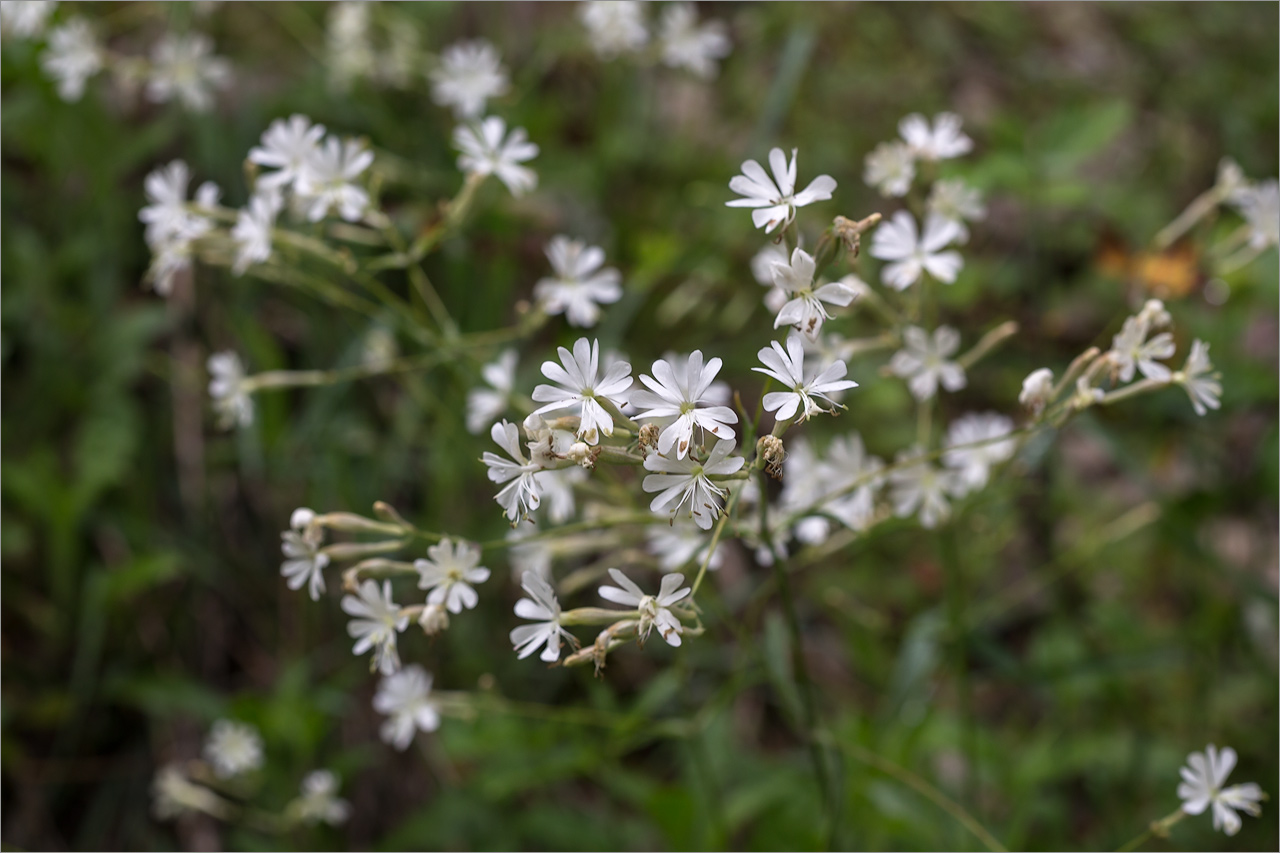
433, 619
1197, 377
252, 232
922, 486
521, 495
167, 215
304, 564
678, 545
957, 202
376, 621
1231, 181
449, 573
911, 254
776, 199
319, 800
941, 142
1131, 349
685, 44
890, 168
1201, 786
469, 74
405, 698
973, 464
484, 405
655, 610
925, 362
762, 269
1037, 389
231, 402
581, 387
184, 67
327, 180
541, 605
25, 18
174, 794
686, 481
350, 55
580, 286
847, 462
673, 399
787, 366
286, 146
805, 309
233, 748
1260, 206
72, 57
614, 26
487, 150
1155, 315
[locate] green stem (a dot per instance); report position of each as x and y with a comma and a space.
1157, 829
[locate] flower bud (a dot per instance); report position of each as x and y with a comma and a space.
434, 619
301, 518
1037, 388
773, 453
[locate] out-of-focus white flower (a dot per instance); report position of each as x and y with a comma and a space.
557, 489
686, 481
805, 309
376, 621
890, 168
71, 57
614, 26
469, 74
542, 606
1231, 181
1201, 786
676, 545
1260, 206
286, 146
252, 232
327, 180
1037, 389
842, 484
231, 400
1198, 378
304, 564
924, 361
920, 486
910, 253
486, 404
487, 150
685, 44
1131, 349
675, 393
184, 67
655, 610
25, 19
173, 794
957, 202
533, 556
521, 495
405, 698
350, 55
581, 387
580, 286
775, 199
319, 800
787, 366
449, 573
167, 215
233, 748
762, 269
973, 464
941, 142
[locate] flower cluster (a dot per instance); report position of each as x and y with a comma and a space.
617, 28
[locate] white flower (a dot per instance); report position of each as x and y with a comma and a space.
678, 545
25, 18
485, 404
973, 464
286, 146
787, 366
319, 801
923, 361
231, 401
1202, 385
921, 486
1130, 349
233, 748
72, 57
470, 73
581, 387
449, 573
805, 310
776, 199
847, 462
680, 481
377, 620
911, 254
890, 168
944, 141
327, 179
614, 26
957, 202
252, 232
1037, 389
557, 488
167, 215
521, 496
1201, 786
541, 605
580, 287
486, 152
174, 794
433, 619
762, 269
301, 546
350, 56
655, 610
673, 399
687, 45
183, 66
534, 556
1260, 206
405, 698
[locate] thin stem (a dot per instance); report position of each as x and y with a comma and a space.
1157, 829
987, 343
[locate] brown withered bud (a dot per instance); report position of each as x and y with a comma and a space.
773, 453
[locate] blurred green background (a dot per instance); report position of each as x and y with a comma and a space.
141, 593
